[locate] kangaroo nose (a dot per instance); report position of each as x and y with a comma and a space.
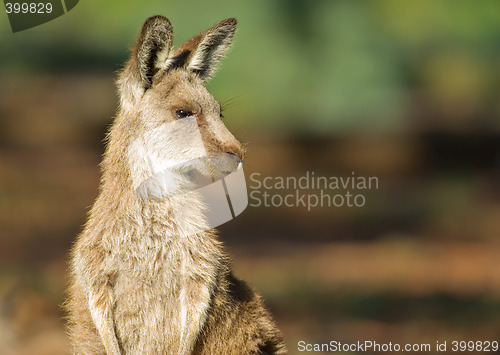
237, 152
237, 158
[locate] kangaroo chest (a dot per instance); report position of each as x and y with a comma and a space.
162, 294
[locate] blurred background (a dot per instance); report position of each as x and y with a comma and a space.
407, 92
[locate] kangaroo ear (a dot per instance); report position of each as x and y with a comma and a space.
202, 53
153, 48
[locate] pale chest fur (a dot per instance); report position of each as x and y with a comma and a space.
162, 281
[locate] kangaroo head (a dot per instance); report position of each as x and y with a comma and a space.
172, 120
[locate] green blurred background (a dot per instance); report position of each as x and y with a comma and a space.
404, 91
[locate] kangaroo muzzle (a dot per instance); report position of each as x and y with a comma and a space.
160, 172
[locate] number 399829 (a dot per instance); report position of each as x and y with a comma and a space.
28, 8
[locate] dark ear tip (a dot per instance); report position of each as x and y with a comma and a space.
232, 21
229, 22
157, 21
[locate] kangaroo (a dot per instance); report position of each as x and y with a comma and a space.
148, 275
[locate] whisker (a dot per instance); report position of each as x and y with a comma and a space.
231, 102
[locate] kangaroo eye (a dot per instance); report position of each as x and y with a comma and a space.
183, 113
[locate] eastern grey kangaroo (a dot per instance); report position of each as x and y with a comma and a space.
145, 277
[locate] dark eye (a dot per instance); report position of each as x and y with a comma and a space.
183, 113
221, 115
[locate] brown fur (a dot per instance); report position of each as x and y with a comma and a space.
139, 284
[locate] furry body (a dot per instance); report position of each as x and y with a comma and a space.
144, 279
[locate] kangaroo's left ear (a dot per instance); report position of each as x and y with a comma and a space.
202, 53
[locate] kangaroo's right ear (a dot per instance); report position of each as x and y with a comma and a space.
153, 47
149, 56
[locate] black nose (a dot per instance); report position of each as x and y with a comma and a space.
236, 157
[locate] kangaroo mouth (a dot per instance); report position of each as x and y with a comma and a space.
217, 179
189, 176
223, 164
